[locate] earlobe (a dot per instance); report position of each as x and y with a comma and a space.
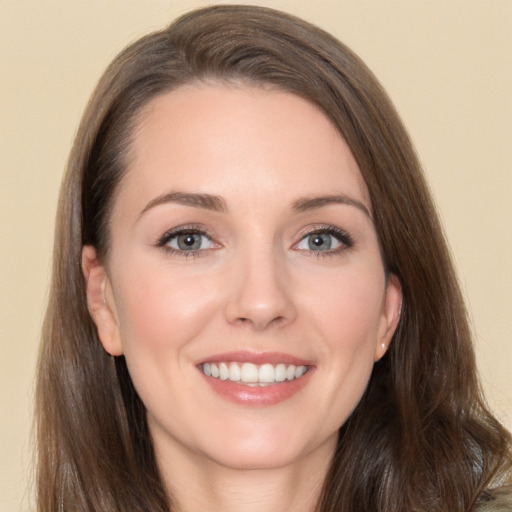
391, 316
100, 301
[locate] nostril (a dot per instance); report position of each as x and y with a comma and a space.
244, 321
279, 320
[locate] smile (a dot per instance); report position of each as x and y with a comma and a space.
253, 375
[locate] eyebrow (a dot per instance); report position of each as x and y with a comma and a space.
312, 203
218, 204
204, 201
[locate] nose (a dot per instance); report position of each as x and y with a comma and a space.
261, 294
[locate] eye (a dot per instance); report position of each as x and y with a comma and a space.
186, 241
330, 240
189, 242
318, 242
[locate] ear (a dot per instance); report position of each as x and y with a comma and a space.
100, 301
390, 315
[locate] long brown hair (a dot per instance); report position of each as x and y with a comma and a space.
420, 439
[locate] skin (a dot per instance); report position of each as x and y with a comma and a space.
255, 285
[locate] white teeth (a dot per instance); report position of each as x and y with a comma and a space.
251, 374
299, 371
234, 372
223, 371
290, 372
280, 373
266, 373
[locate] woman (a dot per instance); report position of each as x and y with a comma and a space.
252, 303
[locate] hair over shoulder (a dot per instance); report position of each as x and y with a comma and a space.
422, 437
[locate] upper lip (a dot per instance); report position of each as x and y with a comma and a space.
258, 358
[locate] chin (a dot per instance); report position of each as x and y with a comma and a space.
258, 447
239, 458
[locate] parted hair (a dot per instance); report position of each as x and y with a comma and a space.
421, 438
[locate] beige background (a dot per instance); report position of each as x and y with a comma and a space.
446, 64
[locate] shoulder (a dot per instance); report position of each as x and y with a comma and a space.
496, 500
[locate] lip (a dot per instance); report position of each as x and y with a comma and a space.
244, 356
257, 396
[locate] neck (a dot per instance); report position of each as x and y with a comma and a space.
198, 485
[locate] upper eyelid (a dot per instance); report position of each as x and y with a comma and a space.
323, 228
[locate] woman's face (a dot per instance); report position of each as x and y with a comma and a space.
244, 283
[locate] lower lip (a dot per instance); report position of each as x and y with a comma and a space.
258, 395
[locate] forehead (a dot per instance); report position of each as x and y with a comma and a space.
217, 138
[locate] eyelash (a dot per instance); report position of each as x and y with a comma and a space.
345, 239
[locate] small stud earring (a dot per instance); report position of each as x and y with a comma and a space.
383, 345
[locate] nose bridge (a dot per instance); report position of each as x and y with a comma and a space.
260, 289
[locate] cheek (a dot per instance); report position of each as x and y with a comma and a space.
161, 314
348, 308
159, 309
347, 316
